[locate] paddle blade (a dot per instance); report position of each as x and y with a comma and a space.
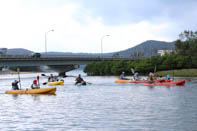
38, 77
43, 75
132, 70
89, 83
44, 83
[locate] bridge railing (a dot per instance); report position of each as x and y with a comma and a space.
88, 56
46, 56
14, 56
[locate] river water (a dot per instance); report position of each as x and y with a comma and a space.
101, 106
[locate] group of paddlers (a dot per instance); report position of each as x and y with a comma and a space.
34, 85
51, 78
136, 76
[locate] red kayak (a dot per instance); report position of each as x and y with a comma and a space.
178, 82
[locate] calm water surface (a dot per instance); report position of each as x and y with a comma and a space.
103, 106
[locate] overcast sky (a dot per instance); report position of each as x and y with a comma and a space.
81, 24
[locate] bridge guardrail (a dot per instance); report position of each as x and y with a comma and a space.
67, 56
85, 56
14, 56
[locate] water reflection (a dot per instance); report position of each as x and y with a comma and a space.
14, 96
35, 97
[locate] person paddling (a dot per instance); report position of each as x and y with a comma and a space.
51, 78
15, 85
35, 85
135, 77
80, 80
150, 78
123, 77
168, 78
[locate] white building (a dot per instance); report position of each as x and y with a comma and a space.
164, 52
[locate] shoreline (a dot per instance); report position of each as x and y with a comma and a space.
13, 73
173, 73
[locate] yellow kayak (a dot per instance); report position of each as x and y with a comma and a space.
56, 83
33, 91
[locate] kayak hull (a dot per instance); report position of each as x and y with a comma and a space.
81, 84
177, 83
33, 91
136, 81
121, 81
55, 83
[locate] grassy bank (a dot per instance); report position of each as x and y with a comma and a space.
181, 73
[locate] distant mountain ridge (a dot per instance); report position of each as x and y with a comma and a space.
18, 51
147, 48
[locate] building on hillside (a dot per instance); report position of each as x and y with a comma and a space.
164, 52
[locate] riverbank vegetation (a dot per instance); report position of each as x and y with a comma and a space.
179, 73
183, 57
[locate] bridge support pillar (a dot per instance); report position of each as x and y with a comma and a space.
62, 74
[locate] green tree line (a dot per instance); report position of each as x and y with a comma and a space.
184, 57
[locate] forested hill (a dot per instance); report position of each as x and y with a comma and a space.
147, 48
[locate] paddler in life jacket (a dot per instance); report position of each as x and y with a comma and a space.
150, 77
168, 78
35, 85
80, 80
135, 77
15, 85
51, 78
122, 76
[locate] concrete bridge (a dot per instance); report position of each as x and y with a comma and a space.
59, 63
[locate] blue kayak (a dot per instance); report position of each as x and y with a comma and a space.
81, 84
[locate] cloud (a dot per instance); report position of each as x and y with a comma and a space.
79, 25
134, 11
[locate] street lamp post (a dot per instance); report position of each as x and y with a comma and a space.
46, 40
102, 44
